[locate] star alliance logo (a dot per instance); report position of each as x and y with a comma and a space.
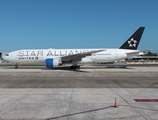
132, 42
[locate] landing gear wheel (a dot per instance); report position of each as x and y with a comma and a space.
75, 67
72, 67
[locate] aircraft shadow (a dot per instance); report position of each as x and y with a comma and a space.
118, 67
67, 68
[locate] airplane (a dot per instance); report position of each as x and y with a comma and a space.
54, 58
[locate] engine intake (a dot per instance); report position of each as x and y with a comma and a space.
52, 62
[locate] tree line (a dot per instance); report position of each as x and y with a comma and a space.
150, 54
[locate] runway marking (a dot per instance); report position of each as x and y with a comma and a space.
146, 100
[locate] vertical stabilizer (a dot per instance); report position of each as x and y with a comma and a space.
133, 42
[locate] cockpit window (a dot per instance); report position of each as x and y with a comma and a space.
7, 54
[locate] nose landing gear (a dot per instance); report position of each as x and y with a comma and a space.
16, 66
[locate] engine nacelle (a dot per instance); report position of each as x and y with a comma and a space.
52, 62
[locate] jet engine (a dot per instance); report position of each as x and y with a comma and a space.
53, 62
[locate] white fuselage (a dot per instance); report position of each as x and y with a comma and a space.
38, 56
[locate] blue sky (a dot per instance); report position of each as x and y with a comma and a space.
27, 24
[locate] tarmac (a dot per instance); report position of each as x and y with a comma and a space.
37, 93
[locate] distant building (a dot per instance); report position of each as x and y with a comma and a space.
144, 59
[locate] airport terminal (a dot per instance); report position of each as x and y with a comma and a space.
144, 59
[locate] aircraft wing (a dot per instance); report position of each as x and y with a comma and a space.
78, 57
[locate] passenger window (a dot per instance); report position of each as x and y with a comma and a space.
7, 54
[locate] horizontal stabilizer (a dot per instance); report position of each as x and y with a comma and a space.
131, 54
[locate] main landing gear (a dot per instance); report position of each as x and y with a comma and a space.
75, 67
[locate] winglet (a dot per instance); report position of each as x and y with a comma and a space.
133, 42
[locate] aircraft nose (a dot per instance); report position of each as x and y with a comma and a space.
5, 58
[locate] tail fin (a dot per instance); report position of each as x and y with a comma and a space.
133, 42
